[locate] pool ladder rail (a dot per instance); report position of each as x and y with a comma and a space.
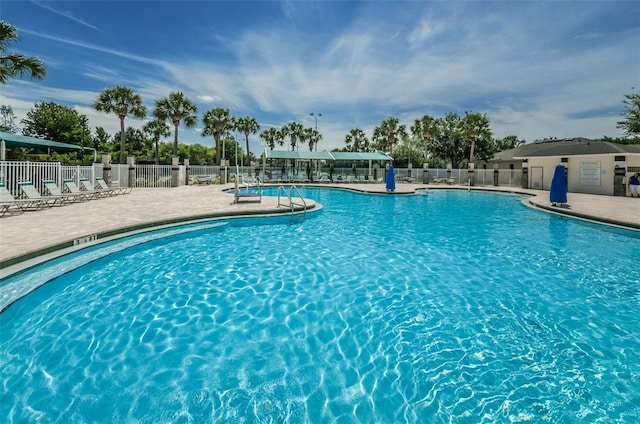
289, 195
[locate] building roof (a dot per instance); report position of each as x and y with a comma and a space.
566, 147
15, 140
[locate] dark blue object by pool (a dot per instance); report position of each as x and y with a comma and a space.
558, 191
391, 180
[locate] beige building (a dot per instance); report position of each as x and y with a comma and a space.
595, 167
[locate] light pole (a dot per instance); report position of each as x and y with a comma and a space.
316, 116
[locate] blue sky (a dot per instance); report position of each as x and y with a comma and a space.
536, 68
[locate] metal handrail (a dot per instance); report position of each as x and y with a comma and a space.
289, 196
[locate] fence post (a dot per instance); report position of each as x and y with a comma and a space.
175, 168
524, 182
132, 170
186, 171
106, 169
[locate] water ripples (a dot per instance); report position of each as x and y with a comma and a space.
346, 317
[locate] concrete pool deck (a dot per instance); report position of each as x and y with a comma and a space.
33, 234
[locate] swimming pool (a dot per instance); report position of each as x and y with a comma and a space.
445, 307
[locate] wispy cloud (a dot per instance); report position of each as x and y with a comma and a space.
67, 14
536, 71
90, 46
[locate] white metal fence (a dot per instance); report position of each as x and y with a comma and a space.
153, 176
13, 172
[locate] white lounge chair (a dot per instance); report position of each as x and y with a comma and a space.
101, 184
52, 188
8, 203
31, 192
71, 187
86, 185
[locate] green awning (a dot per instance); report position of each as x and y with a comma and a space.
325, 155
355, 156
14, 140
289, 154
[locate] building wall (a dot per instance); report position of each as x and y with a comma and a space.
593, 174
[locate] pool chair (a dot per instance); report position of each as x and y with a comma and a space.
86, 185
301, 178
29, 191
9, 204
101, 184
52, 189
71, 187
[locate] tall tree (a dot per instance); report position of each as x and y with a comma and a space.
509, 142
177, 108
52, 121
356, 140
156, 129
631, 113
423, 128
121, 101
312, 136
8, 119
450, 142
136, 141
247, 125
15, 65
217, 123
388, 133
475, 128
102, 141
295, 132
270, 135
281, 134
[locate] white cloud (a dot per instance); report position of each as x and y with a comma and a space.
532, 78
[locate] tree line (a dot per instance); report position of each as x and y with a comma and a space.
452, 138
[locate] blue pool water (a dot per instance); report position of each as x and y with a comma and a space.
453, 306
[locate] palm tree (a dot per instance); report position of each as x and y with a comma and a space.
356, 140
121, 101
14, 65
281, 134
246, 126
270, 135
157, 128
177, 108
313, 137
475, 126
294, 131
217, 122
424, 128
388, 133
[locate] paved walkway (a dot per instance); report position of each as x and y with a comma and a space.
35, 233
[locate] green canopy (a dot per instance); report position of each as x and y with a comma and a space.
289, 154
10, 140
351, 156
325, 155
